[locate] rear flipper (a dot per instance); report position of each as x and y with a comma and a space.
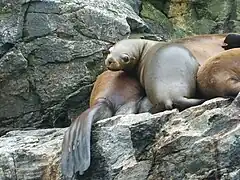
167, 105
76, 141
233, 89
183, 102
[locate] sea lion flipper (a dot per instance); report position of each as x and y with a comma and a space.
76, 142
183, 102
128, 108
157, 108
144, 105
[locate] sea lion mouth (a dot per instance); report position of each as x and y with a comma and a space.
113, 65
113, 69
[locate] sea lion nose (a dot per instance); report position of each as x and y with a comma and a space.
109, 61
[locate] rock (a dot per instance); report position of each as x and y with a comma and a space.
192, 17
201, 142
31, 154
156, 20
12, 64
10, 20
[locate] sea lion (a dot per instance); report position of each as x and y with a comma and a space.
220, 75
113, 93
167, 72
232, 40
203, 46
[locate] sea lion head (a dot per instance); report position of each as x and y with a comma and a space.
231, 41
122, 56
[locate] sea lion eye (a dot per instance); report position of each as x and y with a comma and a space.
125, 58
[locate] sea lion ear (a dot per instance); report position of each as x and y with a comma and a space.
133, 59
110, 49
105, 52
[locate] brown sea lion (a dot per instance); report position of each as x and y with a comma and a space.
220, 75
203, 46
113, 93
232, 40
167, 72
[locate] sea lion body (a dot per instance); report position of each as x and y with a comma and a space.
203, 46
119, 89
219, 76
169, 76
166, 71
113, 93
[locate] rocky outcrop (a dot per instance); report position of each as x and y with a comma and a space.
31, 154
201, 142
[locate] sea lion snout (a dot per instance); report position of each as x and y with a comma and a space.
112, 64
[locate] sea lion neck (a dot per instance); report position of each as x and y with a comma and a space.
146, 47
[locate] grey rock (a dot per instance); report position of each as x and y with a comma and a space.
30, 154
201, 142
11, 20
83, 19
11, 64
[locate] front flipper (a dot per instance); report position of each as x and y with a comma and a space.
76, 141
157, 108
145, 105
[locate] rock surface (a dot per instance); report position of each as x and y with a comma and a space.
180, 18
202, 142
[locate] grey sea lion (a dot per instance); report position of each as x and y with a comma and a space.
166, 71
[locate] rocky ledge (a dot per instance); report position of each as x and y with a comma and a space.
201, 142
